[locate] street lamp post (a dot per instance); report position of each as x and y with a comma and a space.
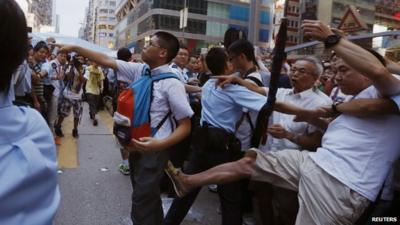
254, 21
183, 18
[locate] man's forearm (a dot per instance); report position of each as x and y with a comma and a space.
252, 86
192, 89
368, 107
98, 57
369, 66
287, 108
182, 131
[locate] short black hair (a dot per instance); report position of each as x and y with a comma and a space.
124, 54
231, 35
40, 45
169, 42
13, 41
243, 47
216, 60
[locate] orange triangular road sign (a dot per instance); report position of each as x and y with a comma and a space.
352, 21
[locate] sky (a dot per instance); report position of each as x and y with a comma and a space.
72, 14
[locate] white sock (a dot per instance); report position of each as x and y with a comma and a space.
125, 162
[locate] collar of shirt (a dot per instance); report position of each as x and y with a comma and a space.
302, 94
161, 70
6, 97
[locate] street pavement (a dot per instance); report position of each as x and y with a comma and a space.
94, 192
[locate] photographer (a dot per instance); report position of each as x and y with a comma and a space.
71, 96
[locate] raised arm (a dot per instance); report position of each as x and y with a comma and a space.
357, 57
222, 80
98, 57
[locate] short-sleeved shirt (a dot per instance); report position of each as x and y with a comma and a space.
128, 72
74, 86
29, 191
22, 80
182, 73
94, 76
359, 152
244, 132
45, 68
168, 95
53, 73
222, 108
396, 99
308, 99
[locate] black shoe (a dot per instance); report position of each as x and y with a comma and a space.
75, 133
94, 122
58, 131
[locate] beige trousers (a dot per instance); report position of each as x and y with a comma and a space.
323, 200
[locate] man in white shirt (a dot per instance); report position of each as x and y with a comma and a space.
55, 72
148, 155
336, 183
284, 133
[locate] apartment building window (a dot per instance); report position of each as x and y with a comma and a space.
216, 29
264, 17
195, 6
111, 27
237, 12
263, 35
102, 26
218, 10
112, 3
102, 18
103, 10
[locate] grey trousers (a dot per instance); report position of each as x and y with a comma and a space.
146, 173
93, 101
323, 200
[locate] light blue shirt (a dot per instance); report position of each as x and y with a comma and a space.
23, 84
396, 99
222, 108
29, 191
45, 68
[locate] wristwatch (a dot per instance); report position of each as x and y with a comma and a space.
334, 107
332, 40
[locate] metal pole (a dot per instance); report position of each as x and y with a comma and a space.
254, 21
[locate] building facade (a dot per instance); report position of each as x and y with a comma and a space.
40, 14
206, 24
99, 22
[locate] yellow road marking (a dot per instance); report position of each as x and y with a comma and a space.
107, 120
68, 150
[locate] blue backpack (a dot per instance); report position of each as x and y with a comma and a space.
132, 118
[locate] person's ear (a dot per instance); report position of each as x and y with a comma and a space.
163, 53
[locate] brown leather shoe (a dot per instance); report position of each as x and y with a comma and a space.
175, 175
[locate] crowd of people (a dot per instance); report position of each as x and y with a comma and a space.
329, 154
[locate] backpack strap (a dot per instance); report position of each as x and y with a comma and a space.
163, 121
255, 80
245, 115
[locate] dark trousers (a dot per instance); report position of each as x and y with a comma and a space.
47, 94
146, 171
211, 147
93, 101
274, 205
